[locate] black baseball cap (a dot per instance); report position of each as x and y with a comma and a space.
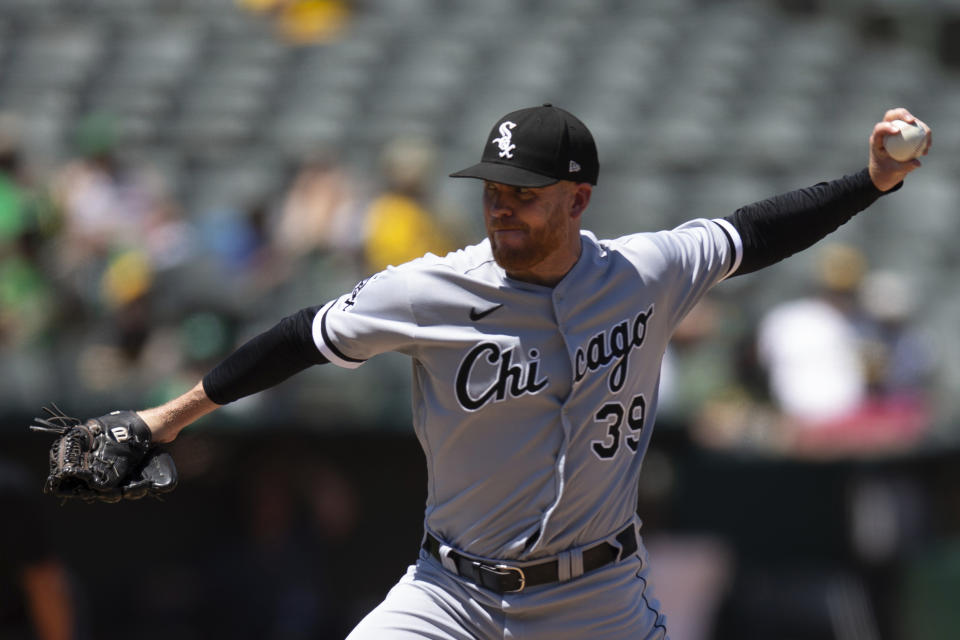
536, 147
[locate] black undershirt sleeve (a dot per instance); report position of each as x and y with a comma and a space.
779, 227
770, 230
266, 360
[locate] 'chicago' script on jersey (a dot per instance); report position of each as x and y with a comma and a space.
512, 379
614, 344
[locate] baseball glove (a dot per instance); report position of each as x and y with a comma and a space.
105, 459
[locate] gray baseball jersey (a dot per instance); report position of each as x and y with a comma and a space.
534, 405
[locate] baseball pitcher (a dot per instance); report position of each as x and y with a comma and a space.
536, 358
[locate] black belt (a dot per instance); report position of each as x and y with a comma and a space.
504, 578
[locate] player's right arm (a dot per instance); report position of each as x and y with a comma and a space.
167, 420
260, 363
375, 317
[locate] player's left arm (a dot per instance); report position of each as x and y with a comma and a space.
776, 228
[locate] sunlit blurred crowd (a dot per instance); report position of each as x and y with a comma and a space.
105, 277
104, 273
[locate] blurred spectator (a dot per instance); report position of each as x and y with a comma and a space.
707, 384
169, 240
402, 223
239, 239
36, 601
900, 360
27, 306
839, 371
105, 202
700, 363
119, 223
120, 232
844, 367
302, 22
321, 211
810, 347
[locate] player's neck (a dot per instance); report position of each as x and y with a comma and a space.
553, 268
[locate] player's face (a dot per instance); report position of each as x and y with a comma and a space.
535, 232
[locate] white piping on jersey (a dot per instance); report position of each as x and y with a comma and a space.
734, 236
329, 351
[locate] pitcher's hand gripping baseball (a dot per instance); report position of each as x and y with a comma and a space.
887, 166
105, 459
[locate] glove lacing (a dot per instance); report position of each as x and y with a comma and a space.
58, 422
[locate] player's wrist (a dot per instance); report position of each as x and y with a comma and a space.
168, 420
158, 430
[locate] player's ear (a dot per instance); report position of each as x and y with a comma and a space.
581, 198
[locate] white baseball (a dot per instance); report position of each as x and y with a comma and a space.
907, 144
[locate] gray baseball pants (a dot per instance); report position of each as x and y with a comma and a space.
609, 603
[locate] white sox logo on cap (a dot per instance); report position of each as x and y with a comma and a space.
505, 141
554, 146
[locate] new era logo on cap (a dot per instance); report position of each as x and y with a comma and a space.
536, 147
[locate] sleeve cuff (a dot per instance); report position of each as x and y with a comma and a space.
321, 336
736, 245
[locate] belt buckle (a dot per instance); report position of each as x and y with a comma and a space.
499, 570
508, 568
